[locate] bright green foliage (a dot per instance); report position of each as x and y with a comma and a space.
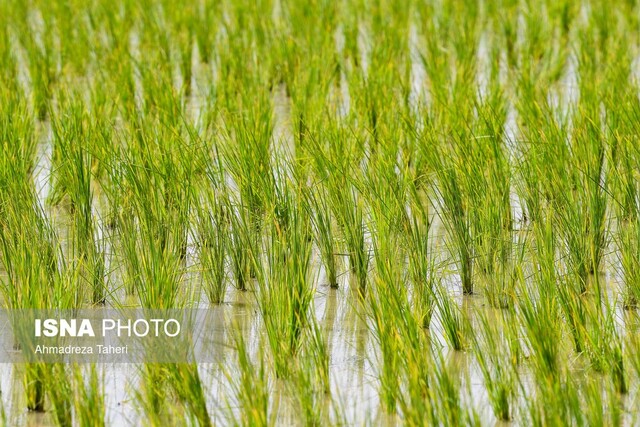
463, 175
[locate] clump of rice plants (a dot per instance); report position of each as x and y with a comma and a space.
250, 388
446, 397
455, 324
457, 219
325, 234
603, 343
61, 394
629, 251
30, 257
154, 226
538, 315
554, 402
41, 57
628, 241
247, 159
212, 235
241, 245
320, 357
73, 163
88, 402
422, 270
344, 194
398, 331
498, 365
284, 290
310, 388
350, 211
603, 404
386, 301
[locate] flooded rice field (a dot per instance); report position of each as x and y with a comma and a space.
398, 213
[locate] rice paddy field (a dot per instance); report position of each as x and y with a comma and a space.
420, 212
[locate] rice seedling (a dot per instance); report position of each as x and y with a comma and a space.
208, 13
397, 329
308, 69
350, 211
284, 291
88, 401
250, 389
7, 58
154, 237
189, 388
384, 303
34, 383
310, 387
421, 266
454, 322
250, 166
325, 234
18, 141
30, 259
497, 258
603, 404
153, 393
241, 240
412, 404
619, 129
554, 402
342, 190
584, 229
604, 344
320, 357
60, 395
165, 383
497, 363
538, 315
213, 241
38, 43
574, 308
631, 344
456, 219
543, 152
73, 162
629, 250
445, 395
